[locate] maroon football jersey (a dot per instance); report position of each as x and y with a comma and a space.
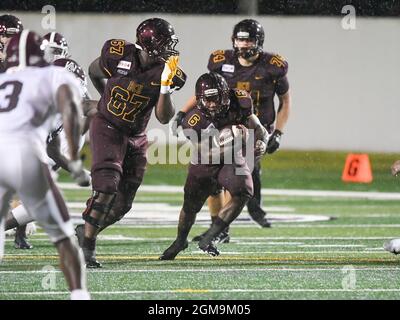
263, 79
132, 91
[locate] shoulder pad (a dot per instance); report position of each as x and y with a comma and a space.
277, 63
218, 58
114, 51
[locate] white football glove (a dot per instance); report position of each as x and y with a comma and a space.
170, 68
79, 174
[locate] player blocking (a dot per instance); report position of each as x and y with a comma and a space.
133, 79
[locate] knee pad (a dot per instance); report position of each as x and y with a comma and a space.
106, 180
102, 203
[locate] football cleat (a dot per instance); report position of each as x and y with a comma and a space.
90, 259
173, 250
392, 246
223, 237
263, 222
209, 249
21, 242
90, 255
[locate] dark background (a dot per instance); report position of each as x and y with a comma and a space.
265, 7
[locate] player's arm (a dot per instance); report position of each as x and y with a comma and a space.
283, 111
165, 109
281, 67
69, 107
53, 151
98, 76
177, 122
260, 133
89, 108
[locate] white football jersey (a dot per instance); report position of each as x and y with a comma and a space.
27, 103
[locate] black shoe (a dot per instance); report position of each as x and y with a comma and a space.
223, 237
90, 259
264, 223
173, 250
21, 242
80, 233
199, 237
209, 249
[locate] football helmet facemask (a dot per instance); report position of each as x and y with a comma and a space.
250, 30
56, 46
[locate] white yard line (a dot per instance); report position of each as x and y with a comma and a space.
278, 192
178, 270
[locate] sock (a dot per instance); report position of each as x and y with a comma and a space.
89, 243
214, 230
80, 294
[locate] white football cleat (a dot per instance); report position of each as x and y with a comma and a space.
392, 246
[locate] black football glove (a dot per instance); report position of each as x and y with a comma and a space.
274, 141
177, 122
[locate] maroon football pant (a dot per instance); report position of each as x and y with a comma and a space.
204, 180
118, 162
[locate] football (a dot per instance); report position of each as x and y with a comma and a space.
230, 133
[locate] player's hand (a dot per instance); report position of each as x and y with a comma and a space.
274, 141
177, 122
79, 174
170, 68
261, 148
396, 168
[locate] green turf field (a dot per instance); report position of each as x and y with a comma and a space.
341, 258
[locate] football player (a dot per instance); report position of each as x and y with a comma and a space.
56, 46
33, 95
217, 106
9, 26
393, 246
133, 79
263, 75
58, 154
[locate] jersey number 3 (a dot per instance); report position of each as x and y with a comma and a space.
11, 96
126, 105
